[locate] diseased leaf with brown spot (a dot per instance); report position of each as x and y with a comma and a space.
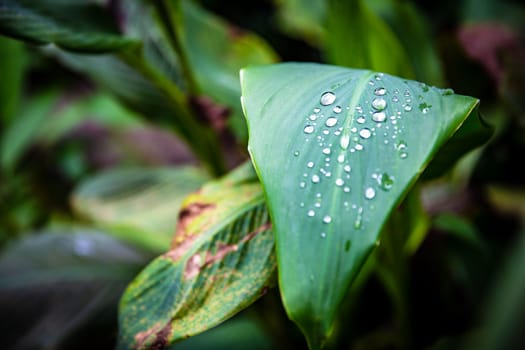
222, 259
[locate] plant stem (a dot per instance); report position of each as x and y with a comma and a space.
166, 11
202, 139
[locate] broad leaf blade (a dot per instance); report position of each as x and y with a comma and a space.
334, 167
138, 205
222, 259
75, 25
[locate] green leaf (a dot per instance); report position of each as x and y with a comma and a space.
333, 166
302, 19
73, 25
20, 134
12, 66
58, 283
222, 259
412, 29
138, 205
217, 52
358, 38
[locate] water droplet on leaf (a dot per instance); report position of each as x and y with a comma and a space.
308, 129
327, 98
379, 104
370, 193
365, 133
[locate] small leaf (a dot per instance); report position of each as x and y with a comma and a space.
77, 26
60, 283
221, 260
138, 205
336, 149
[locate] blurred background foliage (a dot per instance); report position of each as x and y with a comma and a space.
98, 150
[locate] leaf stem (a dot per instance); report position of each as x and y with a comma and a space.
166, 11
202, 139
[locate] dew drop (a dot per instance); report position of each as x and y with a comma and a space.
380, 91
317, 110
309, 129
346, 189
379, 104
310, 164
403, 155
311, 213
327, 219
347, 168
370, 193
341, 158
296, 153
401, 146
361, 119
327, 98
395, 99
323, 235
302, 184
379, 117
345, 141
339, 182
337, 109
331, 121
408, 108
359, 147
365, 133
315, 179
312, 117
326, 150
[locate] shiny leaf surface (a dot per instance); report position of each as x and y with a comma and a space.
336, 149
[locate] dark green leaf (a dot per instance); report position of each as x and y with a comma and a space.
138, 205
363, 40
57, 284
20, 135
412, 29
336, 149
73, 25
303, 19
222, 259
12, 67
217, 52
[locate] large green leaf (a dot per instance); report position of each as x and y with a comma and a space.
60, 285
74, 25
222, 259
336, 149
138, 205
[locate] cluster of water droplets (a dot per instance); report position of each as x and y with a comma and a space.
353, 126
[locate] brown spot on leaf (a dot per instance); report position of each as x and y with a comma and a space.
182, 239
195, 264
210, 112
159, 342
